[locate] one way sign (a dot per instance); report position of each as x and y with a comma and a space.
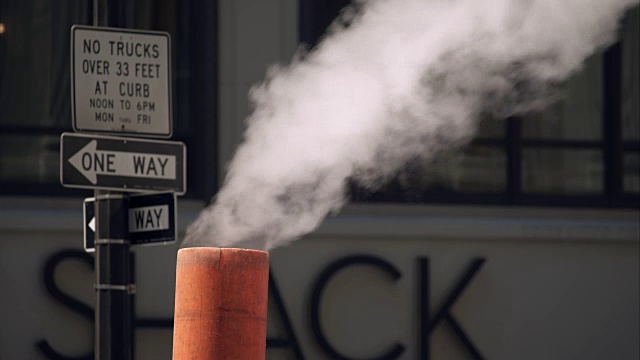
152, 220
124, 164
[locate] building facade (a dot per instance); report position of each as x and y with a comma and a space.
523, 245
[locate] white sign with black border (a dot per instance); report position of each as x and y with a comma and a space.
122, 163
152, 220
121, 81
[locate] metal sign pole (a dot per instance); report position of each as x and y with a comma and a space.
114, 293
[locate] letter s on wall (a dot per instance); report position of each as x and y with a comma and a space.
65, 299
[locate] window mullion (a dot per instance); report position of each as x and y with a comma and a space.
612, 122
514, 159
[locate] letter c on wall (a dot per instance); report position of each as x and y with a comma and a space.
396, 350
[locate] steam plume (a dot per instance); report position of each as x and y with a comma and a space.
391, 81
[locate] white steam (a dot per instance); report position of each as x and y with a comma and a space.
404, 79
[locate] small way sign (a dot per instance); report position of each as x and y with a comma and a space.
123, 164
152, 220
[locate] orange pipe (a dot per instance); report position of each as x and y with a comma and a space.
221, 304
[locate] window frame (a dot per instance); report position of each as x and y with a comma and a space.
612, 148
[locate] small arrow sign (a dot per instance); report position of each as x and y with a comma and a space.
152, 220
89, 228
124, 164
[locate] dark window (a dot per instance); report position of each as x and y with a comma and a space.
35, 104
582, 150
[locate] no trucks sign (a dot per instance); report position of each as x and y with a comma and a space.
121, 81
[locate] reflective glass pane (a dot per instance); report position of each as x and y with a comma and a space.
631, 175
34, 60
474, 169
29, 158
491, 128
562, 171
578, 113
631, 76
